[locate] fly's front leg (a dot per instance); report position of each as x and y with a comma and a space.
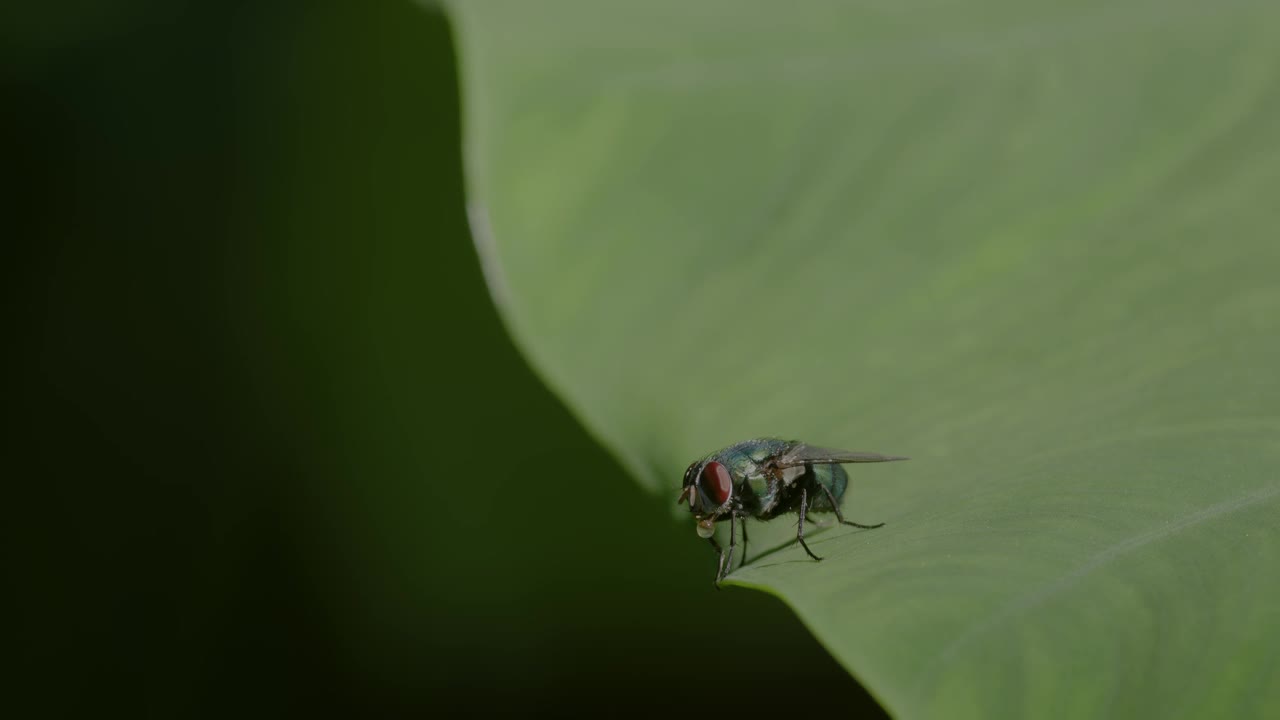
720, 564
804, 506
727, 565
840, 515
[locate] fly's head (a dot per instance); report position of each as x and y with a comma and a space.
708, 488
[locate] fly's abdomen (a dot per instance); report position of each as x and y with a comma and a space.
833, 478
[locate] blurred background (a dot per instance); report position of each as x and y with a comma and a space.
275, 455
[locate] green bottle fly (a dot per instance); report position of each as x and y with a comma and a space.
765, 478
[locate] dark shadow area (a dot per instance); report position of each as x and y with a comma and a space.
275, 455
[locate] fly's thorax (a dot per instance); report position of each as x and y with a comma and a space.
763, 492
759, 451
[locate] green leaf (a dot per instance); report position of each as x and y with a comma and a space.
1031, 245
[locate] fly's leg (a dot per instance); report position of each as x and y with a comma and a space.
727, 565
744, 542
720, 565
804, 505
840, 515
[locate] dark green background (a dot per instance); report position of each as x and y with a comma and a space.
275, 454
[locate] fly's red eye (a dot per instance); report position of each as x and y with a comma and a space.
717, 482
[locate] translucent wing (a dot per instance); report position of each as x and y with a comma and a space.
802, 454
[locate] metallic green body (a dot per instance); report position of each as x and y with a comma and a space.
761, 491
762, 479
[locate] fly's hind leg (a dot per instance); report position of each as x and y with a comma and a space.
804, 505
822, 524
744, 543
840, 516
733, 543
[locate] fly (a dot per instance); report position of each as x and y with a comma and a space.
765, 478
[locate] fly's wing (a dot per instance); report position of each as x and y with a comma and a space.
802, 454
